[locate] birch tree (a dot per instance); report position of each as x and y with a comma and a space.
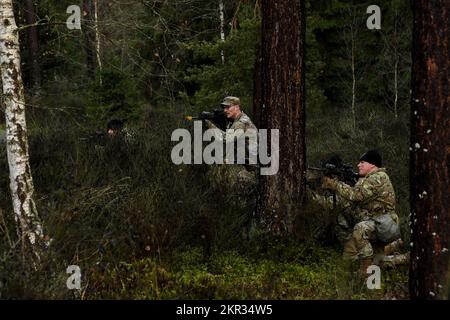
222, 28
395, 64
352, 49
92, 38
21, 182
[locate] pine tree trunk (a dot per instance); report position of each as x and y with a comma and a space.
430, 151
282, 107
21, 182
33, 46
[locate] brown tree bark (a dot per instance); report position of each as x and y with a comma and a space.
282, 84
33, 45
430, 151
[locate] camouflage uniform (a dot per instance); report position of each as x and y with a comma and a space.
367, 213
239, 177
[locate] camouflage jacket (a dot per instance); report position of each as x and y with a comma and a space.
371, 196
242, 122
237, 130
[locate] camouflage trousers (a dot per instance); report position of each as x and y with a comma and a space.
239, 186
381, 229
233, 176
358, 235
238, 181
359, 245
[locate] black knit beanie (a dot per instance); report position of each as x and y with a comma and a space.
373, 157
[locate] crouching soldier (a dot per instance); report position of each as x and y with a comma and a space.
238, 176
371, 206
241, 177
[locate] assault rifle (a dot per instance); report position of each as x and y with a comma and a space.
217, 116
335, 168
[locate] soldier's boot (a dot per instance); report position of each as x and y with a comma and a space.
396, 260
392, 247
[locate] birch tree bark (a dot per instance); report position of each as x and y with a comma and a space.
97, 40
351, 34
395, 65
91, 38
21, 182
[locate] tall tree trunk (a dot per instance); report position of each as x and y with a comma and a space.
222, 28
430, 151
353, 80
33, 45
21, 182
282, 101
91, 37
396, 87
97, 40
396, 47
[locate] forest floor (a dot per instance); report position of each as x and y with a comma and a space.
301, 272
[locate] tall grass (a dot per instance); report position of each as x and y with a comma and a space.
125, 210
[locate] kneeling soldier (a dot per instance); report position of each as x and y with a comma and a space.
372, 207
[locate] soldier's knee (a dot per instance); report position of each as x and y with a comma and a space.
366, 250
364, 229
359, 232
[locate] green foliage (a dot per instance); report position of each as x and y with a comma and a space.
141, 227
116, 96
214, 78
130, 218
333, 27
231, 275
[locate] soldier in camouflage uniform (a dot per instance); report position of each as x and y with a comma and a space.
239, 177
371, 204
238, 180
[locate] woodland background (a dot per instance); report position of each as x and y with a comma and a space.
141, 227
